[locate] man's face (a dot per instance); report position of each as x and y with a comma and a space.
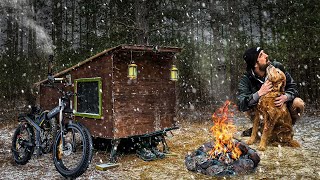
262, 61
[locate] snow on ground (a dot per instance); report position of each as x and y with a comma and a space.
276, 162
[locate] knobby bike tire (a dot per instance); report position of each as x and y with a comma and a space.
86, 131
28, 151
86, 151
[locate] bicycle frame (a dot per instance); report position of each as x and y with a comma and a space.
43, 117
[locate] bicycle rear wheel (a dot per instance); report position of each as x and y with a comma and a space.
72, 159
23, 144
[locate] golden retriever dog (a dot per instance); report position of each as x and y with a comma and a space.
277, 122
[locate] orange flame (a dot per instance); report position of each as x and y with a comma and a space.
223, 130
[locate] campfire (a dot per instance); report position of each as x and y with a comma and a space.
222, 131
225, 155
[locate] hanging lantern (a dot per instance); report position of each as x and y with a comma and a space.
132, 71
173, 73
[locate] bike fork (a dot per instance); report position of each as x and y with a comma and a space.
61, 123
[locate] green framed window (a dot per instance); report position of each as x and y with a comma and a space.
88, 99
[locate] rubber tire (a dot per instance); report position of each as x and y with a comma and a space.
83, 165
29, 153
86, 131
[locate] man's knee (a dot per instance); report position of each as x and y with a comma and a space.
298, 105
296, 110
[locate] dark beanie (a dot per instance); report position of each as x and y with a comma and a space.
251, 56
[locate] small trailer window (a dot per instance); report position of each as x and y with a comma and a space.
88, 97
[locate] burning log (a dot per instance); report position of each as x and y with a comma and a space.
201, 161
225, 156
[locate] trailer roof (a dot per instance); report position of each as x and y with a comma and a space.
123, 47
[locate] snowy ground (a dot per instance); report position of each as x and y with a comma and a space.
276, 162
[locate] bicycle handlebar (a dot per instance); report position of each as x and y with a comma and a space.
51, 84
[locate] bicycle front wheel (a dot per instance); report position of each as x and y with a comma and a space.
72, 155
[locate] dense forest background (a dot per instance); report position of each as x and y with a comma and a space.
213, 34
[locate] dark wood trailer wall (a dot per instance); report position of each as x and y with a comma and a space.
101, 67
129, 107
146, 104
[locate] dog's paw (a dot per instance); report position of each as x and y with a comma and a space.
250, 141
262, 148
294, 143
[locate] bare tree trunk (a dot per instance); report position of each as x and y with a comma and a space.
88, 24
80, 30
66, 21
94, 19
250, 22
260, 16
73, 7
57, 24
87, 27
141, 21
9, 46
234, 35
21, 39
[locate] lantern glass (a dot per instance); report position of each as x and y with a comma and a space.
132, 71
174, 73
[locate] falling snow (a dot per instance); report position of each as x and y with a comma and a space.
278, 162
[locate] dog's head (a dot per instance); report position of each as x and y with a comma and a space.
277, 77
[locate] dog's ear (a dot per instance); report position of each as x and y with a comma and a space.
283, 85
282, 78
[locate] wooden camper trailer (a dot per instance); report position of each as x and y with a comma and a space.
111, 104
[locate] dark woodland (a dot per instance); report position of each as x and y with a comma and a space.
213, 34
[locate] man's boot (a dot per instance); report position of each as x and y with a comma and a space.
248, 132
